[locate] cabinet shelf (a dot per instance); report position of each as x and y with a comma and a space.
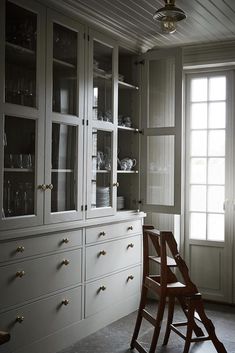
62, 170
19, 170
127, 171
61, 63
125, 85
120, 127
20, 55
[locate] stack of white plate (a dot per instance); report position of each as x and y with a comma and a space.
102, 196
120, 202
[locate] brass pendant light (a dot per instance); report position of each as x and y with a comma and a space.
169, 15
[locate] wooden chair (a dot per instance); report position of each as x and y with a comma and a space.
4, 337
167, 286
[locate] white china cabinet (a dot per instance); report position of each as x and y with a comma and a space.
71, 225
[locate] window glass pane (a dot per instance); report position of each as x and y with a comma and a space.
216, 171
216, 143
64, 70
199, 116
216, 227
162, 93
102, 82
198, 171
101, 169
198, 143
197, 198
197, 226
215, 198
217, 115
217, 88
160, 167
198, 89
19, 167
63, 160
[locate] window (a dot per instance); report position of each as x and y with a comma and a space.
206, 128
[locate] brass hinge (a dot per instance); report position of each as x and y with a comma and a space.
87, 122
86, 208
83, 121
82, 208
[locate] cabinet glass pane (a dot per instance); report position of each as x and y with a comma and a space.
20, 58
64, 70
19, 168
161, 93
160, 170
63, 178
102, 83
101, 169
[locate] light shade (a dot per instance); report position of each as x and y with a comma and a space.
169, 16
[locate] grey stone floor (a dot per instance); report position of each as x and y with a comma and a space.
116, 337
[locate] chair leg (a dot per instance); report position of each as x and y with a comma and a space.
190, 325
197, 329
210, 328
171, 305
160, 312
139, 315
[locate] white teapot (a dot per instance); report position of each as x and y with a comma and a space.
127, 163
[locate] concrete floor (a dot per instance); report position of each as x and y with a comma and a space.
116, 337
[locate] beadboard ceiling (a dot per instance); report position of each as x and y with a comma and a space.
132, 22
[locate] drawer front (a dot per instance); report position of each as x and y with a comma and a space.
105, 232
19, 249
111, 256
111, 289
41, 318
32, 278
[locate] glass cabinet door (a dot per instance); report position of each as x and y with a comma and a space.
64, 130
102, 135
20, 55
21, 113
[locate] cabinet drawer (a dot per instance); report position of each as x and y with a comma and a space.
41, 318
31, 278
114, 230
19, 249
111, 256
111, 289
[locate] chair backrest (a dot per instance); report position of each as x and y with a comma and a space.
164, 243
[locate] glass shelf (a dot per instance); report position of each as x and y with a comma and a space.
127, 171
125, 85
19, 170
60, 63
62, 170
120, 127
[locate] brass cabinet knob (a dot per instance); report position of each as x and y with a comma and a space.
102, 288
102, 234
65, 240
65, 302
20, 248
130, 228
49, 186
130, 277
131, 245
20, 274
65, 262
42, 187
116, 184
103, 252
20, 319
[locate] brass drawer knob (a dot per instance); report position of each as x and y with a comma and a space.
65, 262
20, 274
130, 278
116, 184
20, 249
42, 187
49, 186
103, 252
102, 234
102, 288
65, 240
65, 302
131, 245
20, 319
130, 228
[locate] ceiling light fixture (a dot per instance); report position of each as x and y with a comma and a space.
169, 15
